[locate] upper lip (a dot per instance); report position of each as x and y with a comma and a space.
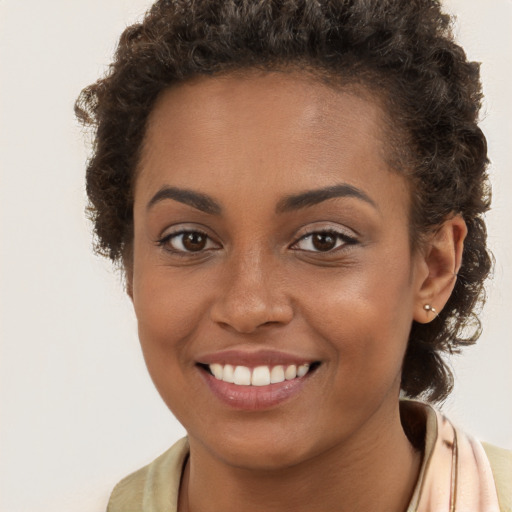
254, 358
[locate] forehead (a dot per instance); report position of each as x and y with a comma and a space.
273, 97
284, 126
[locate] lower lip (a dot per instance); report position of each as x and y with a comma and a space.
253, 398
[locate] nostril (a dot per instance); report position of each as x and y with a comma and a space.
246, 314
270, 323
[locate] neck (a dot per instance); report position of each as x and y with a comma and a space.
375, 470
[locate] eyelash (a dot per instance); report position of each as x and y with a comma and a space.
343, 238
164, 241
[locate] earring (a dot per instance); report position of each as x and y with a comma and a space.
428, 307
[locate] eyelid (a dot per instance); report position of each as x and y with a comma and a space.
184, 227
347, 239
181, 229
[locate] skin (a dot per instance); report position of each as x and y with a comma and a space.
248, 142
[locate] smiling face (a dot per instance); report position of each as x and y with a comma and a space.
271, 234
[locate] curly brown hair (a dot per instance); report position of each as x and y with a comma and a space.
402, 49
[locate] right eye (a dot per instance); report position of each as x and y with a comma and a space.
187, 241
324, 241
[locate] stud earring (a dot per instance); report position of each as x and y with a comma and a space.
428, 307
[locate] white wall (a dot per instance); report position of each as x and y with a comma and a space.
78, 410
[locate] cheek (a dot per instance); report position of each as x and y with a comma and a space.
167, 319
167, 301
364, 316
168, 311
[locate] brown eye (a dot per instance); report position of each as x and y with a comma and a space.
194, 241
323, 241
187, 242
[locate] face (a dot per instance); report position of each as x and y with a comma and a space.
273, 278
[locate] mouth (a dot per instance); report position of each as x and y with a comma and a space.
258, 376
253, 382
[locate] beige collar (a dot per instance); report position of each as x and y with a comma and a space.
455, 475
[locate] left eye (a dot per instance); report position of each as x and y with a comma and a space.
187, 241
323, 241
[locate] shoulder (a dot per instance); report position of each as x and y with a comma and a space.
501, 465
153, 487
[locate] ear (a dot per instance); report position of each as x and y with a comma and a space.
442, 257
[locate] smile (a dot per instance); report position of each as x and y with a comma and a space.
258, 376
246, 383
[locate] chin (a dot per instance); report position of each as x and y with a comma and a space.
264, 451
263, 458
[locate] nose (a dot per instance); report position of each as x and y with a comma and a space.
252, 295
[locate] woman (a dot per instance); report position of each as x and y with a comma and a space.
295, 190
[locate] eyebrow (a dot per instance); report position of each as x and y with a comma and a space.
313, 197
195, 199
289, 203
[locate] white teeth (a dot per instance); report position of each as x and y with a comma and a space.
242, 376
290, 372
259, 376
302, 370
228, 375
217, 370
277, 374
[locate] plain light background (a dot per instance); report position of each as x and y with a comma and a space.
78, 410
